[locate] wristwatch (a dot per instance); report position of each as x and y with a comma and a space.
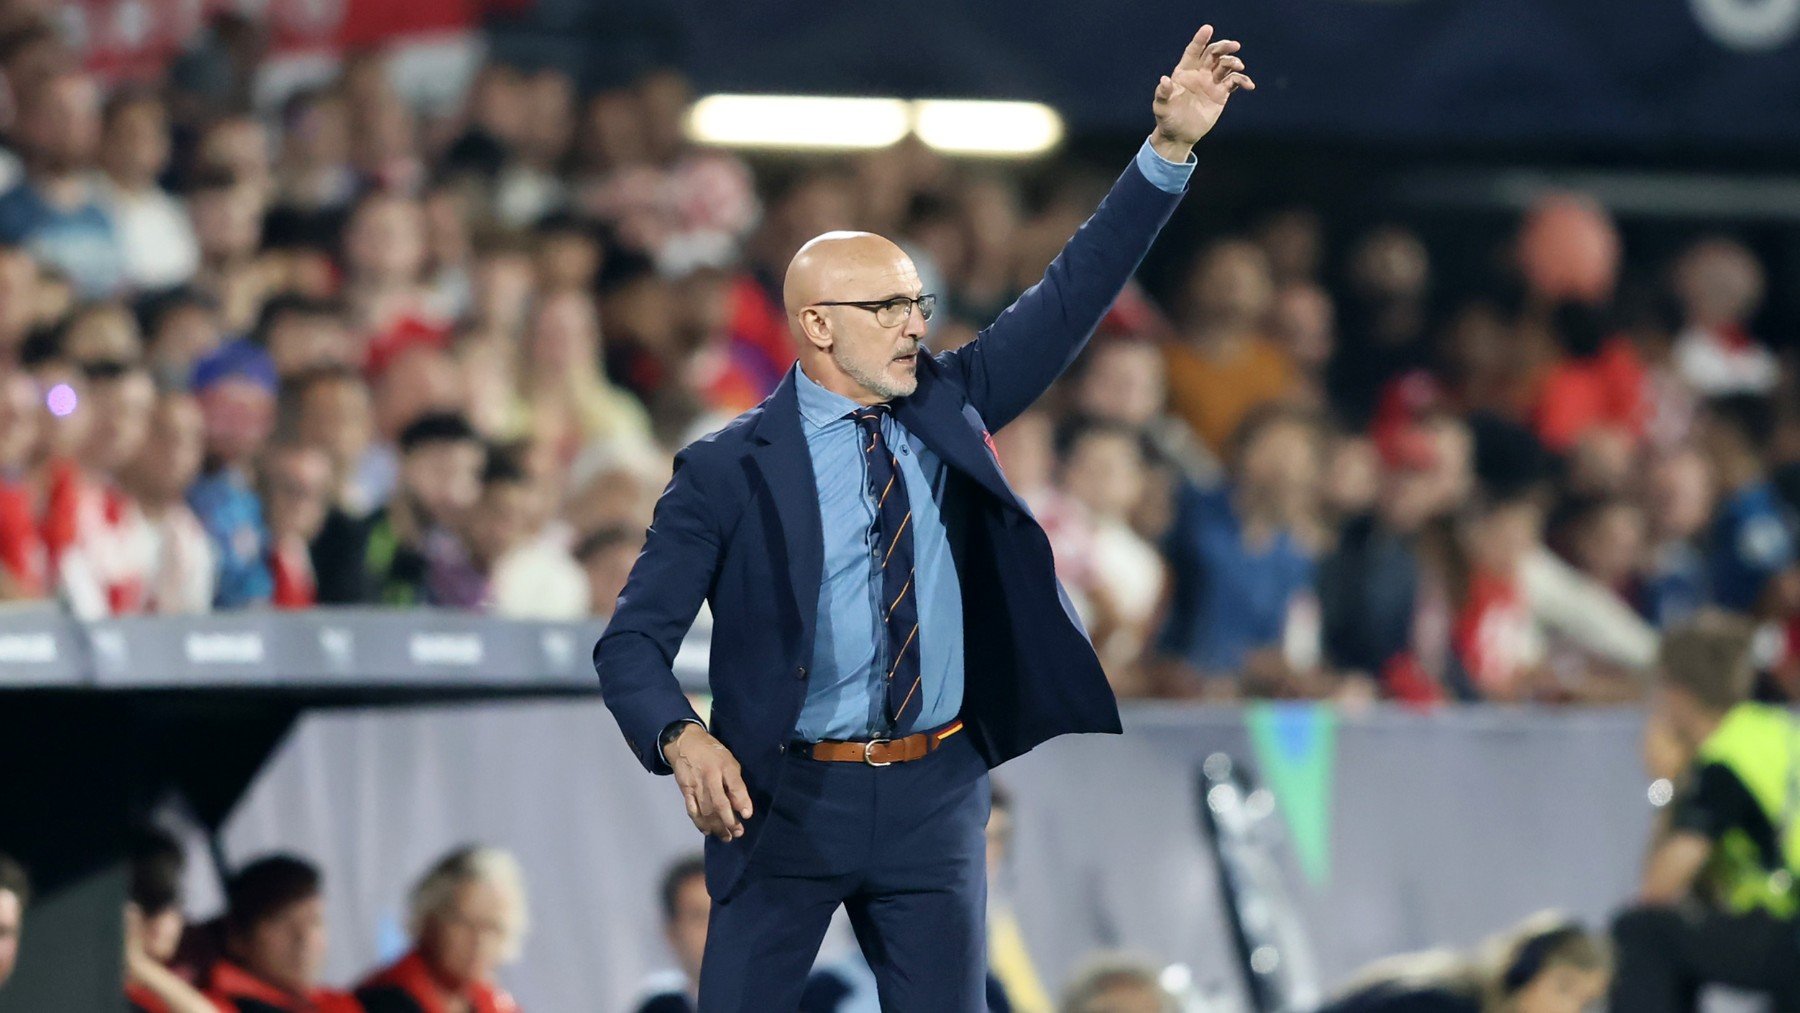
668, 735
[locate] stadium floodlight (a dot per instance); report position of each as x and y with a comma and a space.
994, 129
975, 127
803, 122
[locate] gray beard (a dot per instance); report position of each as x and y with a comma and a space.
882, 386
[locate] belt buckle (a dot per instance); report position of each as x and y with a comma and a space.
869, 753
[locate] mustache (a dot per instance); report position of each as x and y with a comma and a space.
914, 350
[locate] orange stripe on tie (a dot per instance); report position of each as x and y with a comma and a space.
902, 594
896, 542
901, 653
900, 711
884, 492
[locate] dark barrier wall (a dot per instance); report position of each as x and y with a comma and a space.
1688, 72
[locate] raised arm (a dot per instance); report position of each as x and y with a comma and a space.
1016, 358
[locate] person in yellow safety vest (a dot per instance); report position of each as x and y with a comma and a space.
1718, 900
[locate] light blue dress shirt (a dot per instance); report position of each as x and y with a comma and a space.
845, 697
845, 692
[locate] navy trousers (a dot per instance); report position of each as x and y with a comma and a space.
902, 848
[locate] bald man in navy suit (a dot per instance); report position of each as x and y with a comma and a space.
887, 621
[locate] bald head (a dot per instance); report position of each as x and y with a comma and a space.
846, 266
850, 349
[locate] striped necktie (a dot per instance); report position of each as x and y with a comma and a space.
893, 561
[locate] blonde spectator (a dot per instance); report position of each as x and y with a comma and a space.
466, 917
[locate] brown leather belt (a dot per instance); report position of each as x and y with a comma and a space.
883, 752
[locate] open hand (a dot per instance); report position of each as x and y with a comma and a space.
711, 781
1190, 98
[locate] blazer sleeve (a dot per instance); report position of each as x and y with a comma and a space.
634, 658
1014, 360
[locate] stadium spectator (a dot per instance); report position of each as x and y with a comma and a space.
102, 549
296, 491
1115, 983
1720, 286
313, 175
1224, 364
685, 909
53, 210
1385, 320
153, 927
275, 942
155, 234
23, 562
180, 327
1243, 556
329, 409
384, 264
1752, 539
386, 559
18, 298
1125, 380
1124, 579
303, 334
184, 573
15, 897
1679, 495
564, 396
236, 389
228, 215
466, 917
606, 556
1716, 901
1546, 964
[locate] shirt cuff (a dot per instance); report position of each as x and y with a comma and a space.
1167, 176
664, 733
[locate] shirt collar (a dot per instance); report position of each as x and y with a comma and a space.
818, 406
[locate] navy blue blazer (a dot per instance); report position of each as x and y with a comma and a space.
738, 527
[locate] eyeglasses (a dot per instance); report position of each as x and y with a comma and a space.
892, 312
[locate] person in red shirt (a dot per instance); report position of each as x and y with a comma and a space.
296, 489
22, 560
1493, 637
275, 942
468, 917
153, 927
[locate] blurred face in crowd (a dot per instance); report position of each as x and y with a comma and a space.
607, 569
287, 949
183, 336
1353, 477
162, 933
1602, 462
687, 929
1104, 471
446, 211
1124, 382
503, 283
298, 492
666, 95
103, 334
227, 221
1610, 543
170, 459
864, 355
443, 478
239, 414
385, 241
121, 407
18, 295
1719, 282
1504, 535
565, 334
20, 417
135, 148
568, 259
498, 102
60, 122
335, 417
464, 941
1229, 288
1679, 493
549, 117
1562, 988
318, 135
305, 340
1303, 324
418, 381
1126, 995
12, 924
502, 520
615, 130
1280, 463
1027, 452
240, 146
1294, 242
1391, 264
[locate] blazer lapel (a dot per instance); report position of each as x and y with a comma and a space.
934, 413
786, 467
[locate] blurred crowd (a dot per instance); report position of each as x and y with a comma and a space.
351, 350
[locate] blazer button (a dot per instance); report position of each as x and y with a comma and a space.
800, 673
